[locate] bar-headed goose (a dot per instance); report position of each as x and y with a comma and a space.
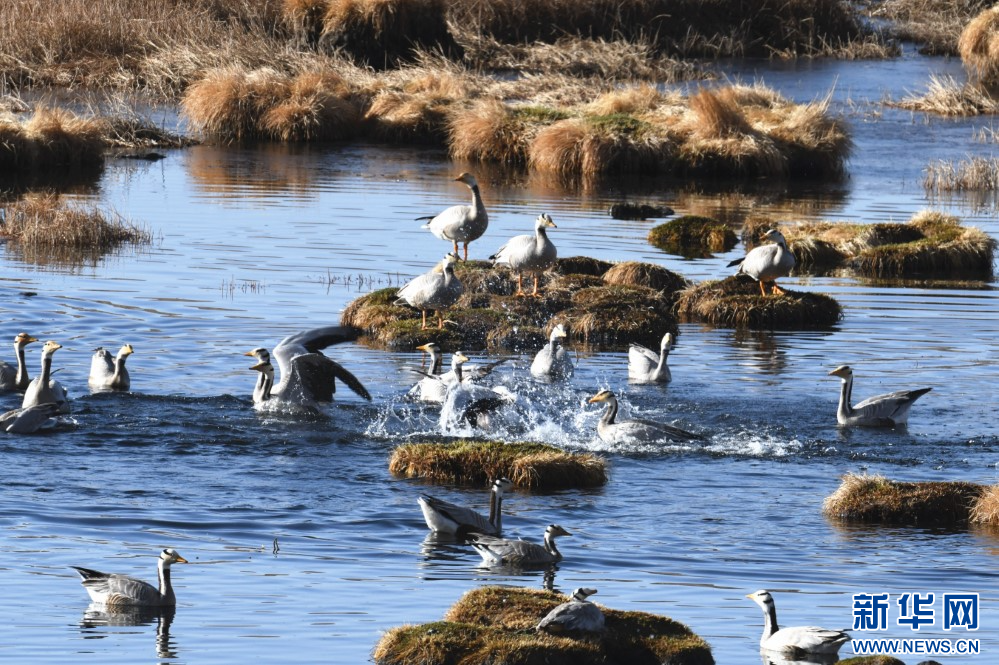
518, 553
113, 589
797, 640
612, 430
767, 262
107, 373
886, 410
460, 223
577, 615
445, 517
647, 366
529, 253
16, 377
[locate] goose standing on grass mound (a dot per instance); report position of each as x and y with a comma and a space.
612, 430
118, 590
528, 253
107, 373
798, 640
552, 361
307, 376
577, 615
16, 378
433, 291
886, 410
42, 389
30, 420
461, 223
767, 262
518, 553
445, 517
647, 366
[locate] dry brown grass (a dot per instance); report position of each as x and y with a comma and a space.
945, 96
648, 275
735, 302
51, 138
233, 103
491, 131
528, 465
43, 229
985, 510
979, 47
383, 33
615, 314
974, 174
417, 109
581, 265
935, 25
868, 498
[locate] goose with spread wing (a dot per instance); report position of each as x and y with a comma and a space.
460, 223
307, 376
886, 410
647, 366
446, 517
518, 553
469, 403
612, 430
113, 589
767, 262
433, 386
797, 640
107, 373
15, 378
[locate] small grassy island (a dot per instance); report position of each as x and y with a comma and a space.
876, 499
693, 236
736, 302
528, 465
496, 625
606, 304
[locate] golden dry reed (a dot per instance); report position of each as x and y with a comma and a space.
979, 47
875, 498
51, 138
43, 220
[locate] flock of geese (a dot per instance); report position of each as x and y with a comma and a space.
308, 378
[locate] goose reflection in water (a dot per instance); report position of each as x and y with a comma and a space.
100, 621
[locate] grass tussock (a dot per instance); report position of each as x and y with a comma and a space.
383, 33
528, 465
979, 47
874, 498
735, 302
947, 97
692, 236
974, 174
935, 25
51, 138
581, 265
648, 275
985, 510
494, 624
930, 244
615, 314
234, 103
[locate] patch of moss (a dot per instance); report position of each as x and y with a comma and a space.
736, 302
867, 498
539, 114
693, 236
618, 123
500, 622
534, 465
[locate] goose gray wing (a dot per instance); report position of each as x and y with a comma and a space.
115, 589
466, 518
511, 552
641, 360
888, 405
313, 376
8, 377
101, 366
29, 420
311, 341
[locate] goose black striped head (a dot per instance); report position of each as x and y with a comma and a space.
170, 555
843, 372
554, 530
260, 353
501, 485
23, 339
763, 599
582, 593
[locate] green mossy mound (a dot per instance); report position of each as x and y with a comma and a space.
877, 499
693, 236
582, 265
736, 302
532, 465
488, 315
495, 625
930, 244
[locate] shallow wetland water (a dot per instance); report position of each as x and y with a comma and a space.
305, 549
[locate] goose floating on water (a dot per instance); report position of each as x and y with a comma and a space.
500, 551
461, 223
886, 410
577, 615
44, 390
433, 291
647, 366
767, 262
445, 517
797, 640
107, 373
307, 376
552, 362
529, 253
29, 420
612, 430
113, 589
16, 378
